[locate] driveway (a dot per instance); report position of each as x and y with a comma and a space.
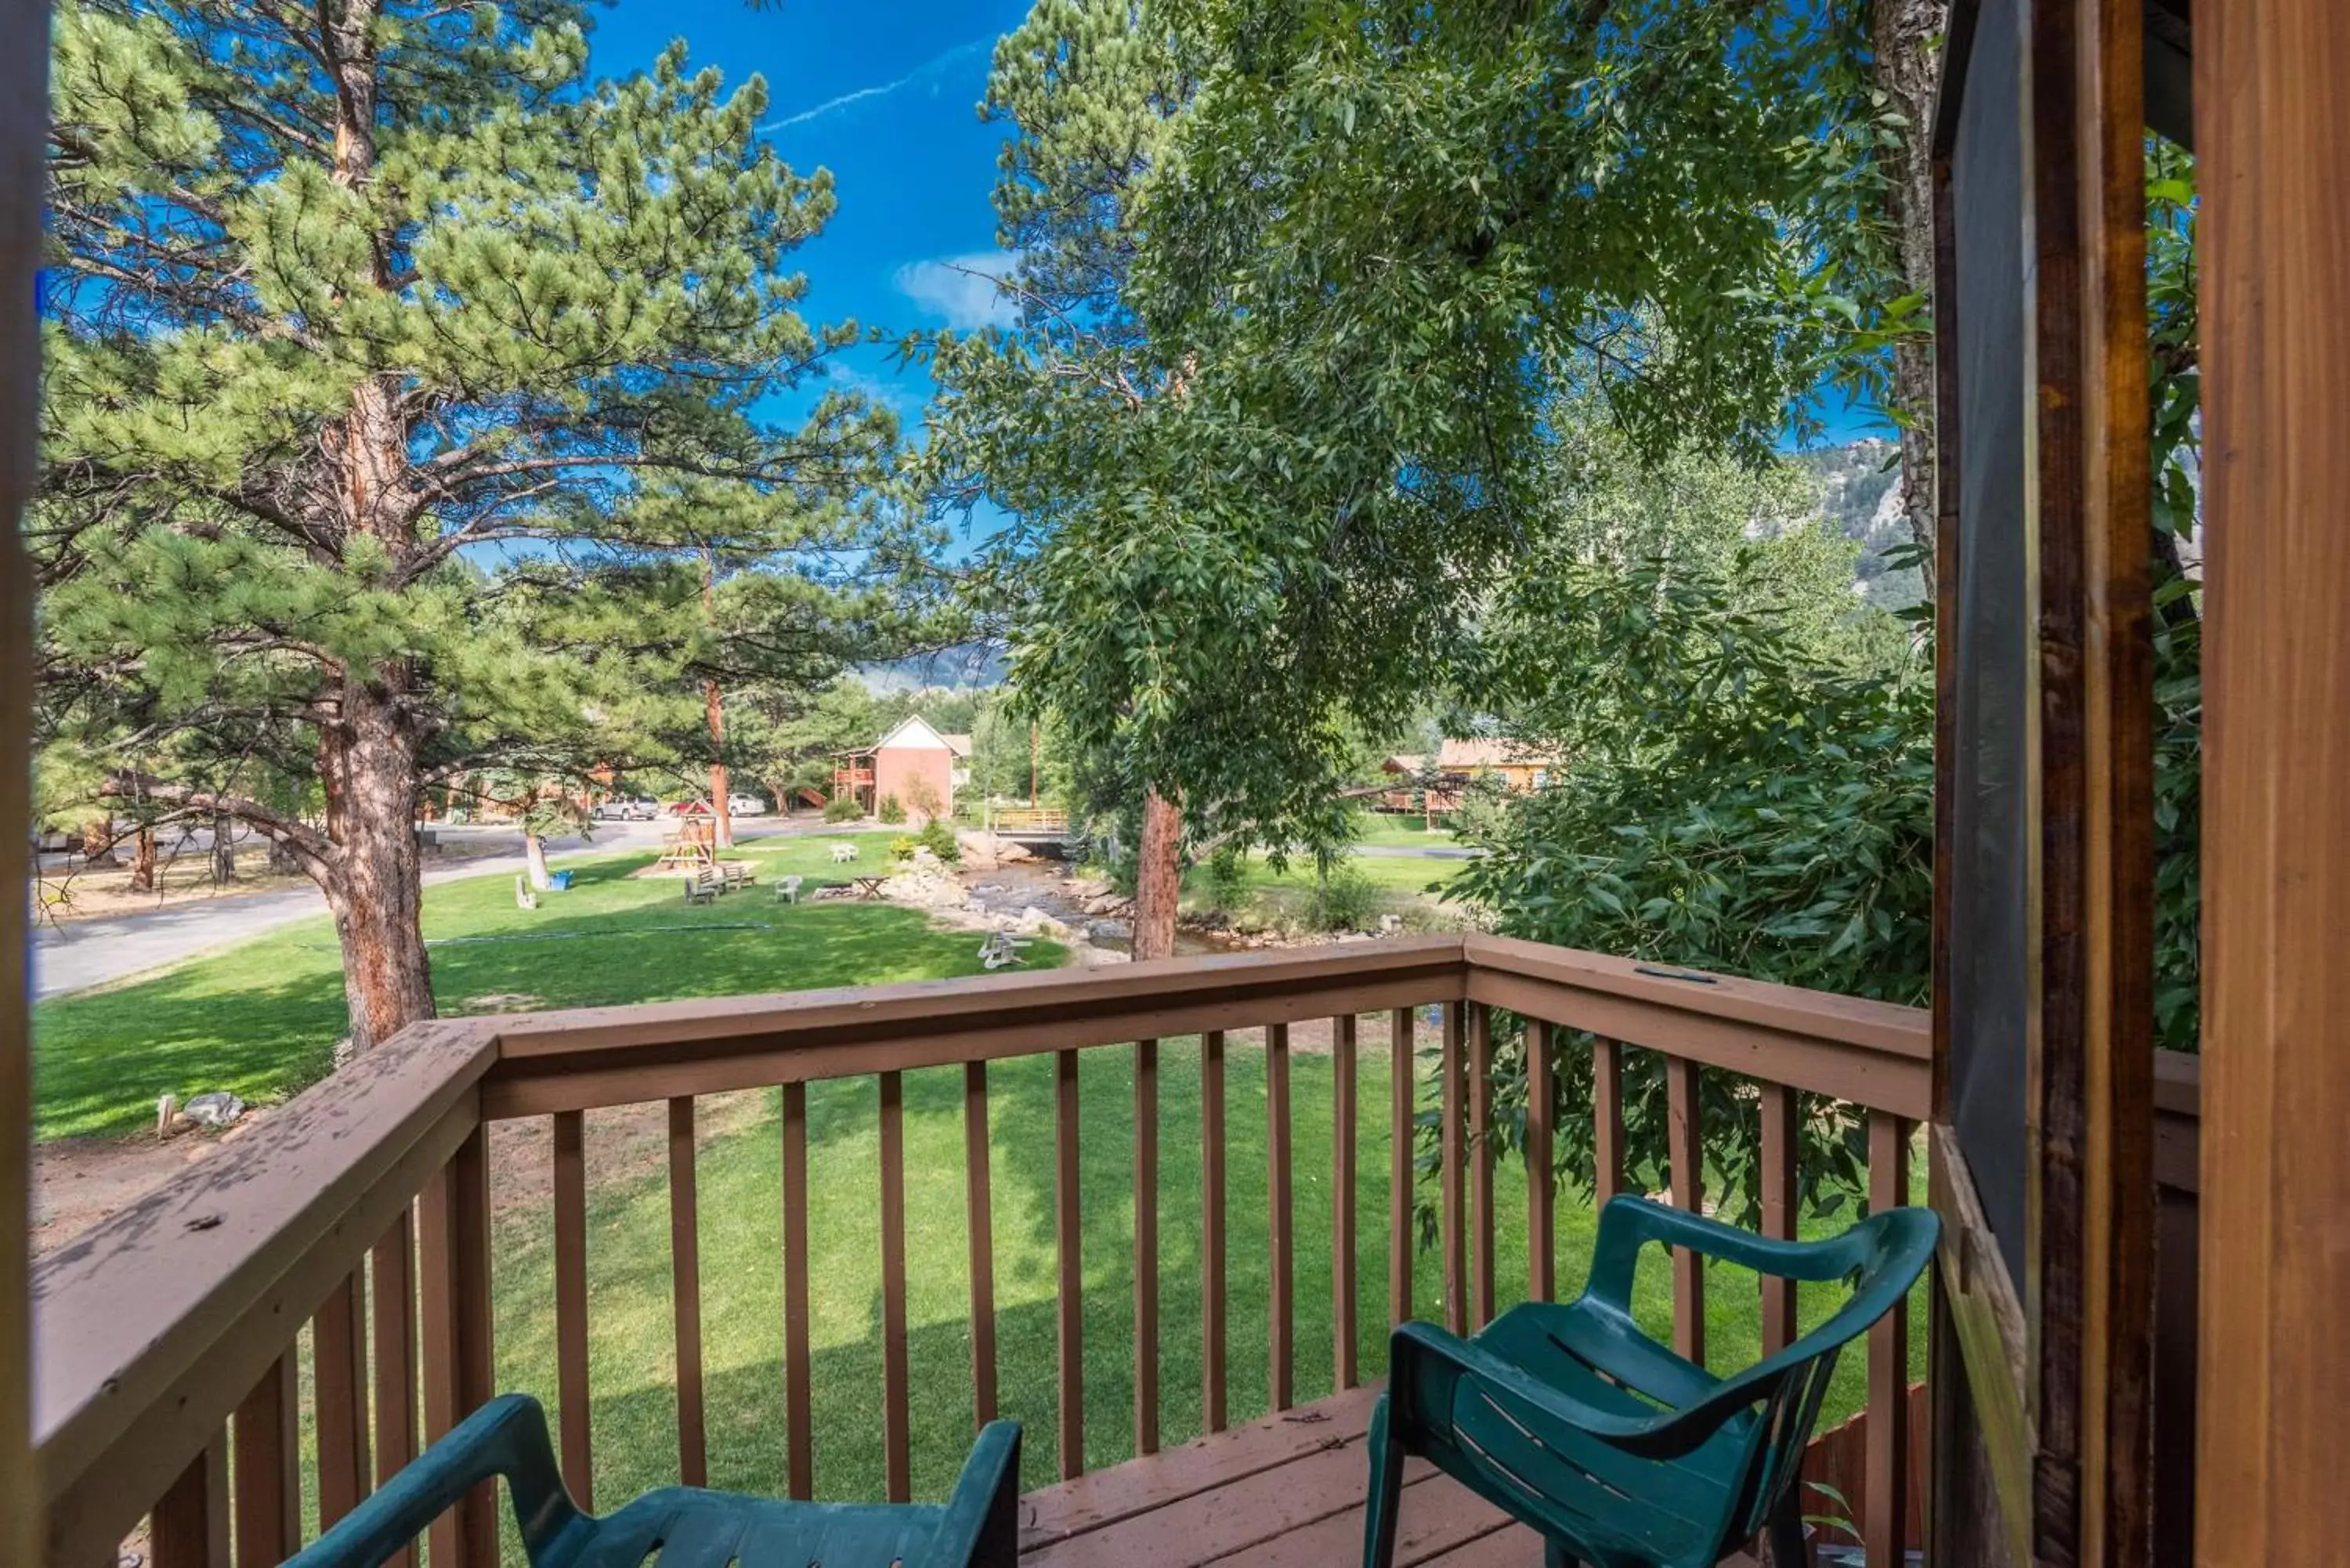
78, 954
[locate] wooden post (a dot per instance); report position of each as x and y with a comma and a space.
2273, 131
24, 121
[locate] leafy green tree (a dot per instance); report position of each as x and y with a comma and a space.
1203, 608
1437, 217
1733, 802
398, 375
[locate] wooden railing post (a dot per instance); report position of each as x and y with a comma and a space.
575, 1415
1541, 1277
1068, 1240
1685, 1163
453, 1237
268, 1438
393, 1322
1214, 1414
338, 1346
685, 1293
1146, 1247
1481, 1151
898, 1454
1778, 1108
1344, 1372
1606, 1119
1886, 1496
1403, 1080
1278, 1201
799, 1441
191, 1522
1449, 1233
979, 1216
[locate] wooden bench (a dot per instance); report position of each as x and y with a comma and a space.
738, 874
702, 886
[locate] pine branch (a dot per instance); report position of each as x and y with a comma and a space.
318, 851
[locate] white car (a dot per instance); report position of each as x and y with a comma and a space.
643, 809
745, 805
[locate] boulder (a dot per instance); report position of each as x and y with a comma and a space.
1109, 931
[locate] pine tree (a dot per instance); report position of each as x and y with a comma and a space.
398, 378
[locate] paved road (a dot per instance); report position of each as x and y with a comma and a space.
1418, 852
78, 954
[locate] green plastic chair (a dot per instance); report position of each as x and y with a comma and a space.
1620, 1453
677, 1527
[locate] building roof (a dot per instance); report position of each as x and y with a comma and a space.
1459, 754
958, 744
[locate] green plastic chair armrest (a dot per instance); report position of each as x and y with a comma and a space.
504, 1438
982, 1527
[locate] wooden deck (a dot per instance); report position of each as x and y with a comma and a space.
1286, 1492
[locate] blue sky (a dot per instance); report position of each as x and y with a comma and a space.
883, 94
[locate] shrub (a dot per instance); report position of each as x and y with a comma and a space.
1228, 884
1345, 899
843, 809
893, 810
903, 847
940, 840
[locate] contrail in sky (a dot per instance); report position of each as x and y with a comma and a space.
845, 99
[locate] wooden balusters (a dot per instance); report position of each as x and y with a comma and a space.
1402, 1078
1146, 1247
1212, 1230
1343, 1372
1456, 1262
267, 1426
685, 1294
1606, 1119
799, 1441
1067, 1240
1481, 1169
1685, 1171
339, 1348
392, 1319
1542, 1281
189, 1526
571, 1305
1278, 1198
453, 1249
897, 1433
1885, 1503
979, 1225
1778, 1106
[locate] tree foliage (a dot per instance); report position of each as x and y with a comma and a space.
397, 376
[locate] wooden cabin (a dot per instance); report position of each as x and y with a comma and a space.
2135, 1324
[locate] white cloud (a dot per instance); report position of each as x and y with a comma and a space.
883, 91
963, 288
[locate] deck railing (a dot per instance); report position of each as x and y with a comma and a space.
168, 1337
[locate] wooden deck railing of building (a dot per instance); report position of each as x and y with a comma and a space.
168, 1337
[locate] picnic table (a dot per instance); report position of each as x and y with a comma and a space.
868, 887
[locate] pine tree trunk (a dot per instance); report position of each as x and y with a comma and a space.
97, 843
1902, 35
1157, 876
284, 861
142, 861
715, 711
375, 887
224, 851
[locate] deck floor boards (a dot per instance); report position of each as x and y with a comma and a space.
1284, 1492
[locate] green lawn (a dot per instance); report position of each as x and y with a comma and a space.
262, 1018
631, 1332
1406, 831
